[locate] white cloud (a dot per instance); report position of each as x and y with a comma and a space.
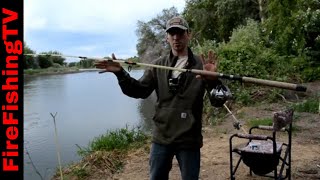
32, 17
69, 26
99, 16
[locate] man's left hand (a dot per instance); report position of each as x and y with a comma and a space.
209, 64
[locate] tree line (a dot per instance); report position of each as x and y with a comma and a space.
274, 39
41, 62
47, 61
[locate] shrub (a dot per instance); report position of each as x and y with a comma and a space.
120, 139
44, 61
56, 65
311, 105
248, 55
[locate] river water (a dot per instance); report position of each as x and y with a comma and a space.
86, 105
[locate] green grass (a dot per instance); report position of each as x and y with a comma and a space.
80, 172
119, 139
310, 105
50, 70
268, 122
33, 71
263, 122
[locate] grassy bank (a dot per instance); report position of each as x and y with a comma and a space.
50, 71
105, 154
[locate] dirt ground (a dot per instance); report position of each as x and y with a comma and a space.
215, 161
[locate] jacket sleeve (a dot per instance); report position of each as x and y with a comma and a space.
131, 87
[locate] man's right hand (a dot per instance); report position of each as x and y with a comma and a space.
108, 66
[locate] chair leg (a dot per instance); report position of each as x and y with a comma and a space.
286, 161
289, 163
289, 170
231, 167
289, 151
233, 170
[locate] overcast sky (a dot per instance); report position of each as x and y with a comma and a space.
89, 27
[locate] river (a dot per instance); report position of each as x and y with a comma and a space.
86, 105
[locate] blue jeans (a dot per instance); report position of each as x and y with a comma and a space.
161, 162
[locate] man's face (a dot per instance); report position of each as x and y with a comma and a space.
178, 39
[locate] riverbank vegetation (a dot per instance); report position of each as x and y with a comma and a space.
106, 154
50, 71
119, 139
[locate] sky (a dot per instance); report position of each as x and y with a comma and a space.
94, 28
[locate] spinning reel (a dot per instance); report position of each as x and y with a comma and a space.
219, 95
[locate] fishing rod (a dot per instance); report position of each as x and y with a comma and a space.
236, 123
264, 82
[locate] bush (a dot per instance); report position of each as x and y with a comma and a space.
44, 61
246, 54
72, 64
56, 65
120, 139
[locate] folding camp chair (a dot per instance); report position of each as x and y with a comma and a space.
263, 153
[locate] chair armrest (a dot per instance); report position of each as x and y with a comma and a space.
270, 128
252, 136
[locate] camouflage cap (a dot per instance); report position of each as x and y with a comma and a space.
177, 22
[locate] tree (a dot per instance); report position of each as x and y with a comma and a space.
151, 35
29, 61
72, 64
44, 61
56, 59
293, 29
261, 6
87, 63
216, 19
202, 19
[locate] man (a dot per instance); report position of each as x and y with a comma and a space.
177, 120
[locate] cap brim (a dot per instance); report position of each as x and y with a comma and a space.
176, 26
